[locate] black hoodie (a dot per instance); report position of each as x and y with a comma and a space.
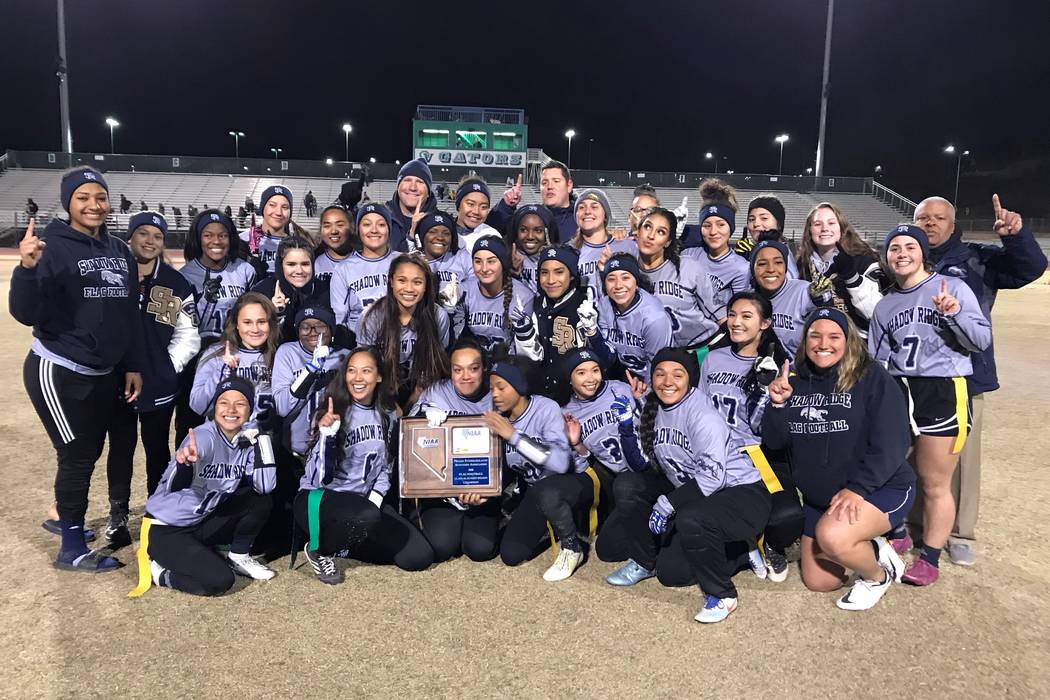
857, 439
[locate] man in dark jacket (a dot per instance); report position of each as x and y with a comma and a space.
986, 269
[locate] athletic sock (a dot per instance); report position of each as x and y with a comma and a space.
73, 544
572, 544
898, 533
931, 555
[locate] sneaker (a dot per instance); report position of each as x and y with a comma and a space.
961, 553
117, 533
629, 574
156, 571
921, 573
902, 545
715, 609
864, 593
777, 565
324, 567
565, 564
889, 559
245, 565
757, 563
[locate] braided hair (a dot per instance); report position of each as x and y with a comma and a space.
647, 429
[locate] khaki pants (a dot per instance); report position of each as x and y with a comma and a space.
966, 482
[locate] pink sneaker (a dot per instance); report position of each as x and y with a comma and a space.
903, 545
921, 573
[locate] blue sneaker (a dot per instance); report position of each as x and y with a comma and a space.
715, 609
629, 574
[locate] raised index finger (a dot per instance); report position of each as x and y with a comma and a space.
331, 408
518, 183
786, 369
29, 229
997, 206
944, 286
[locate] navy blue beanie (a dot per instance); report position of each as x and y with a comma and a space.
566, 255
496, 246
771, 204
721, 210
576, 357
321, 313
274, 190
828, 314
470, 185
416, 168
622, 262
912, 232
148, 218
684, 357
782, 247
513, 376
236, 383
438, 218
77, 177
372, 208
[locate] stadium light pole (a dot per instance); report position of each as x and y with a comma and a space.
237, 136
275, 151
825, 88
112, 124
569, 134
782, 139
62, 73
951, 150
346, 131
711, 156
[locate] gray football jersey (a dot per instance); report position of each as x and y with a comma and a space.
686, 295
542, 421
217, 474
483, 316
791, 305
369, 330
268, 246
722, 378
359, 279
325, 265
290, 360
251, 365
590, 276
727, 275
444, 396
449, 264
912, 339
691, 441
599, 428
365, 466
235, 279
638, 333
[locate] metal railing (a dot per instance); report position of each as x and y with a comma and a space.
897, 201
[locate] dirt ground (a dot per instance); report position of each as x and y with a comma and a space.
486, 630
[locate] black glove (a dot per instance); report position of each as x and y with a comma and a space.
261, 271
845, 266
770, 235
822, 290
211, 288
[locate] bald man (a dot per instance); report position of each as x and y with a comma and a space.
986, 269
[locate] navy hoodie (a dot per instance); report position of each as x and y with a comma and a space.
857, 439
82, 299
986, 269
401, 224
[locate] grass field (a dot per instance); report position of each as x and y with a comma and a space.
485, 630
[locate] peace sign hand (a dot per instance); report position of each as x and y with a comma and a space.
515, 260
417, 216
638, 387
944, 302
1007, 223
188, 453
30, 248
780, 388
512, 197
230, 358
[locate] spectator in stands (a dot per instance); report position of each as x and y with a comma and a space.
160, 209
31, 207
125, 204
350, 195
142, 205
645, 200
249, 205
178, 216
228, 211
441, 190
310, 202
191, 211
242, 216
986, 269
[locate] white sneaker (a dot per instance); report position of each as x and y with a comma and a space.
156, 570
715, 609
757, 563
865, 594
889, 559
245, 565
564, 566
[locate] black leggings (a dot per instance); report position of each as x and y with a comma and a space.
559, 499
156, 435
74, 409
785, 518
187, 552
351, 522
625, 534
451, 532
186, 417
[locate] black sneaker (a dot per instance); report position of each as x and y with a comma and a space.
117, 533
324, 567
776, 564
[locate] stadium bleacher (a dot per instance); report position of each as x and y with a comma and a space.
870, 216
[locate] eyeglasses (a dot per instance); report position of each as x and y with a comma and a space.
309, 329
641, 210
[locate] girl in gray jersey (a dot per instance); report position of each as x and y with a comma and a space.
337, 242
214, 491
712, 495
361, 280
468, 524
532, 228
536, 447
727, 272
923, 332
680, 284
593, 240
262, 241
735, 380
409, 329
790, 297
631, 325
491, 299
340, 502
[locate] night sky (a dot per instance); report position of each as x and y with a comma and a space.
655, 84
